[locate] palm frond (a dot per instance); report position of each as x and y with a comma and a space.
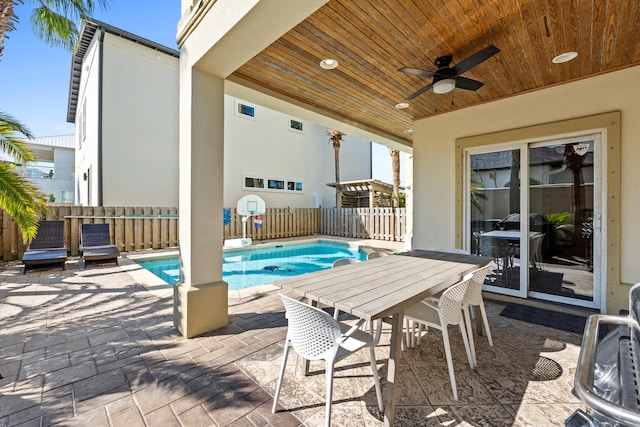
54, 21
21, 201
12, 134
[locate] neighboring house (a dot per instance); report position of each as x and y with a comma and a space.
124, 101
52, 172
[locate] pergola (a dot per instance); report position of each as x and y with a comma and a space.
366, 193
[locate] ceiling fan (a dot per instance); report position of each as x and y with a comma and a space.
446, 78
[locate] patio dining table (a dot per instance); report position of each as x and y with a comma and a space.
383, 288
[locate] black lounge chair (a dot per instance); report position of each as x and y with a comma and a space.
95, 244
47, 248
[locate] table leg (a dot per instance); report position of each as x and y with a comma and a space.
393, 373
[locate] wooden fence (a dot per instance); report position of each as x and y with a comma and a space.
132, 228
138, 228
364, 223
277, 223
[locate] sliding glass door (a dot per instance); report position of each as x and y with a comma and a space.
544, 237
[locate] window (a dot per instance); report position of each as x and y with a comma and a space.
252, 183
245, 110
295, 125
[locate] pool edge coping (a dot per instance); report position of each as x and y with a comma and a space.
162, 289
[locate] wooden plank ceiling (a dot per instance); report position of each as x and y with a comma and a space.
373, 39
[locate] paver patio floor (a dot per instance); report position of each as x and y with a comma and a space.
93, 347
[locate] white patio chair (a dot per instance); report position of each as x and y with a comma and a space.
449, 311
343, 261
373, 255
315, 335
536, 251
474, 299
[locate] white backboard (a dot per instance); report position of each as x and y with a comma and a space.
251, 205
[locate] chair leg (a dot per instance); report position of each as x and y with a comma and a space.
471, 352
376, 378
279, 385
486, 323
447, 352
329, 373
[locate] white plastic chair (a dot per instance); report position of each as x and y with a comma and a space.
315, 335
449, 311
536, 251
373, 255
343, 261
474, 298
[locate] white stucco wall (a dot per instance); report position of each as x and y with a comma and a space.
87, 143
265, 147
140, 125
434, 155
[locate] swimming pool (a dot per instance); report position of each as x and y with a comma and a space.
246, 268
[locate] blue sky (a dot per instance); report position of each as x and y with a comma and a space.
38, 91
35, 76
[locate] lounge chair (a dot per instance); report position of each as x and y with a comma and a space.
95, 244
47, 248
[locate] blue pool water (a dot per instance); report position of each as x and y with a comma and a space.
252, 267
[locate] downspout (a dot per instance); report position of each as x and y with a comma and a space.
100, 82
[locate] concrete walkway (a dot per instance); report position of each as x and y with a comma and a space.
93, 347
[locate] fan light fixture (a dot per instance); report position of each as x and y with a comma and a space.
444, 86
328, 64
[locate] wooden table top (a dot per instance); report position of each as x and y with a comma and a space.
384, 286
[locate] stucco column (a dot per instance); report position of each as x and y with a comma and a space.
200, 299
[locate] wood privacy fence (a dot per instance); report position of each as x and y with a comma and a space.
277, 223
131, 228
364, 223
138, 228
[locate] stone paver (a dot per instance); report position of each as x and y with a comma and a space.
93, 347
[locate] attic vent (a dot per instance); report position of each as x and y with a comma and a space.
245, 110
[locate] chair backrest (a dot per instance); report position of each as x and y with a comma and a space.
376, 255
474, 293
313, 333
495, 248
50, 235
95, 235
450, 303
343, 261
536, 247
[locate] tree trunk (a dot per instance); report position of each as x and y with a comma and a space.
336, 150
395, 167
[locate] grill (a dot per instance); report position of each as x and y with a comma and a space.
607, 375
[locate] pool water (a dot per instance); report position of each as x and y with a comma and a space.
252, 267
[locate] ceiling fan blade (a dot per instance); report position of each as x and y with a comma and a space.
417, 72
419, 92
469, 84
476, 59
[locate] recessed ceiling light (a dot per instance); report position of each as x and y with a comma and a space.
402, 105
564, 57
328, 64
408, 131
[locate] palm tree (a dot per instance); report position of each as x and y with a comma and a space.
395, 167
54, 22
335, 137
17, 196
